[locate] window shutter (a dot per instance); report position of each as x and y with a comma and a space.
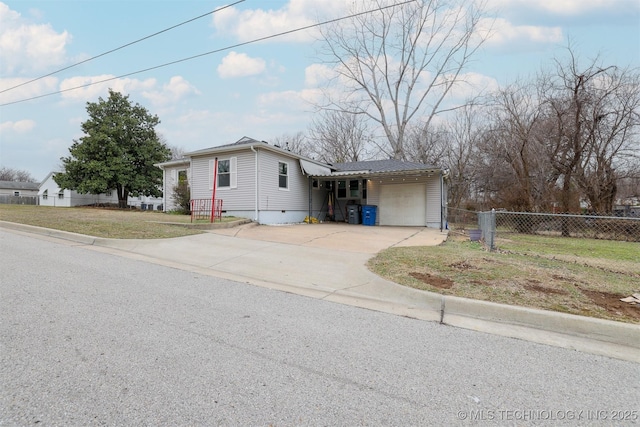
233, 166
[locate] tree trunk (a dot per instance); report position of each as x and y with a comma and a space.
123, 195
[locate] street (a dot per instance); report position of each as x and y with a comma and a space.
89, 338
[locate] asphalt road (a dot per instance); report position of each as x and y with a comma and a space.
89, 338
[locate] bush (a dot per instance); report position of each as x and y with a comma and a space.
182, 198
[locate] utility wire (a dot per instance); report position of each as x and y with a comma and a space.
121, 47
210, 52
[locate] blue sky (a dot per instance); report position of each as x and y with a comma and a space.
263, 90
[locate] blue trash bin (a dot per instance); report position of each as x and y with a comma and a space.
369, 214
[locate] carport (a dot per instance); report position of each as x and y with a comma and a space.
403, 193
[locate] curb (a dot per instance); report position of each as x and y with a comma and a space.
597, 336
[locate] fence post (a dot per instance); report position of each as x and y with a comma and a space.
492, 229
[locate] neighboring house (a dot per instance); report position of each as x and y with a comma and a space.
17, 192
18, 188
50, 194
271, 185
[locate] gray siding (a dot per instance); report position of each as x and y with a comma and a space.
271, 197
242, 197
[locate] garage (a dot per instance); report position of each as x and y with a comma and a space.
403, 204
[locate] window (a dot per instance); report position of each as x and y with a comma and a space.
16, 193
364, 189
61, 194
315, 184
227, 175
342, 189
45, 194
224, 173
354, 190
283, 175
182, 177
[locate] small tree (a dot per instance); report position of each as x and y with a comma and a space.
118, 151
182, 196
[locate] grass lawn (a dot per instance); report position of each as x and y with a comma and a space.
577, 276
99, 222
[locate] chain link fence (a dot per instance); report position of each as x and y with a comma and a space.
499, 223
496, 229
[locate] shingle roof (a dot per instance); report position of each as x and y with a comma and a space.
19, 185
377, 166
245, 140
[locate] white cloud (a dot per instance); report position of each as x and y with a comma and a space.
27, 47
172, 92
250, 24
37, 88
472, 84
563, 7
89, 88
317, 74
502, 32
21, 126
240, 65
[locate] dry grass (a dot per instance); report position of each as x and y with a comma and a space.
580, 284
99, 222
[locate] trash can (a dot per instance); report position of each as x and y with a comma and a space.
369, 214
353, 214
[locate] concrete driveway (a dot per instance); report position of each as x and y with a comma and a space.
339, 236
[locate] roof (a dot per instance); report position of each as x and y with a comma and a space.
379, 166
313, 167
245, 140
19, 185
174, 162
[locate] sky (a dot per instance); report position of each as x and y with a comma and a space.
263, 90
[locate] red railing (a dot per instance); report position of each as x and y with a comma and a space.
201, 209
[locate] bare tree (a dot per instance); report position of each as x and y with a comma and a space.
338, 136
465, 132
397, 65
427, 144
592, 116
296, 143
10, 174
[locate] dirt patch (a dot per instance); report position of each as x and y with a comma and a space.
538, 288
429, 279
611, 303
462, 265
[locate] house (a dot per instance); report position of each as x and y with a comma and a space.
18, 192
50, 194
18, 188
271, 185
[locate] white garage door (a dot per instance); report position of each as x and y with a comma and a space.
403, 204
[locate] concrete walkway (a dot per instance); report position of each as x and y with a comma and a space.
328, 261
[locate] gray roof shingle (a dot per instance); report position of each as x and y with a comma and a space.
377, 166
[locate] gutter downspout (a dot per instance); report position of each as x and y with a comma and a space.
256, 183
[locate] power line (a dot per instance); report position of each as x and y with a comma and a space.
121, 47
210, 52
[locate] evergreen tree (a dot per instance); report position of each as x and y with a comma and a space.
117, 152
